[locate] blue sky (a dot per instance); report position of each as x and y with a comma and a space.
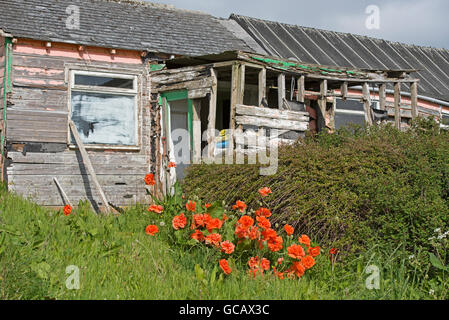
421, 22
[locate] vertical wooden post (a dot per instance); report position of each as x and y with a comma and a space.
281, 90
301, 89
165, 146
212, 115
383, 96
196, 130
322, 100
344, 90
89, 167
241, 84
397, 104
414, 98
262, 85
367, 104
234, 101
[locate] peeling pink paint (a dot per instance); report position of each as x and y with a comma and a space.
40, 71
71, 51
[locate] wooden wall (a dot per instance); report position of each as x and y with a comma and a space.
38, 130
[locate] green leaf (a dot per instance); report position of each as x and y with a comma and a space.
213, 275
199, 272
436, 262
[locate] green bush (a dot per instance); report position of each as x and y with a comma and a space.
352, 189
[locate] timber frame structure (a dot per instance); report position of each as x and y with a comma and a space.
259, 98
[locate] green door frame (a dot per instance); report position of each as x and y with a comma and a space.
6, 87
176, 96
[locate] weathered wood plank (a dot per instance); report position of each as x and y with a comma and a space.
272, 123
414, 99
72, 157
397, 102
281, 90
212, 115
272, 113
382, 96
262, 91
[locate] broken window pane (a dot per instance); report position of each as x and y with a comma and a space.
104, 118
87, 80
343, 119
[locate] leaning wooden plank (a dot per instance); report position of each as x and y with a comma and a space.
271, 113
88, 165
272, 123
64, 195
414, 99
397, 106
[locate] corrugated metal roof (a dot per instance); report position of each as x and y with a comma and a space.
124, 24
349, 50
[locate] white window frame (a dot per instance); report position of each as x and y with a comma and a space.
136, 92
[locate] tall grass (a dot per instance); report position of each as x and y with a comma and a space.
117, 260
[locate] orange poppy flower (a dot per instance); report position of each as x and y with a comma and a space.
263, 212
289, 229
213, 239
197, 235
67, 210
227, 246
179, 221
254, 233
263, 222
156, 209
151, 229
240, 205
241, 232
278, 274
275, 244
304, 240
313, 251
280, 260
190, 206
253, 262
149, 180
269, 234
264, 191
295, 251
265, 264
172, 165
225, 217
207, 205
333, 251
308, 262
298, 269
245, 222
199, 220
224, 265
212, 224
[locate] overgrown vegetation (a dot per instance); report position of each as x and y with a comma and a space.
378, 195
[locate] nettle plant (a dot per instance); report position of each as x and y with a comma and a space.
236, 237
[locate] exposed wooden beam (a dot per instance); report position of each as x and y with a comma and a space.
383, 96
367, 103
301, 89
196, 130
212, 115
344, 90
414, 99
322, 100
262, 85
397, 104
281, 90
88, 164
234, 100
241, 83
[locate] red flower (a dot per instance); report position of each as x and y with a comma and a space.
224, 265
151, 229
308, 262
156, 209
245, 222
239, 205
213, 239
265, 264
67, 210
269, 234
227, 246
149, 180
172, 165
263, 212
275, 244
264, 191
263, 222
190, 206
253, 262
289, 229
197, 235
212, 224
296, 251
304, 240
333, 251
199, 220
254, 233
207, 205
297, 268
313, 251
280, 260
179, 222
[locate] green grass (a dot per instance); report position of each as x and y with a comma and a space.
117, 260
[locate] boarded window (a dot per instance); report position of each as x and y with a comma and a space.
103, 108
349, 111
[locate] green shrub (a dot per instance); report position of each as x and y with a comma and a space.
352, 189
